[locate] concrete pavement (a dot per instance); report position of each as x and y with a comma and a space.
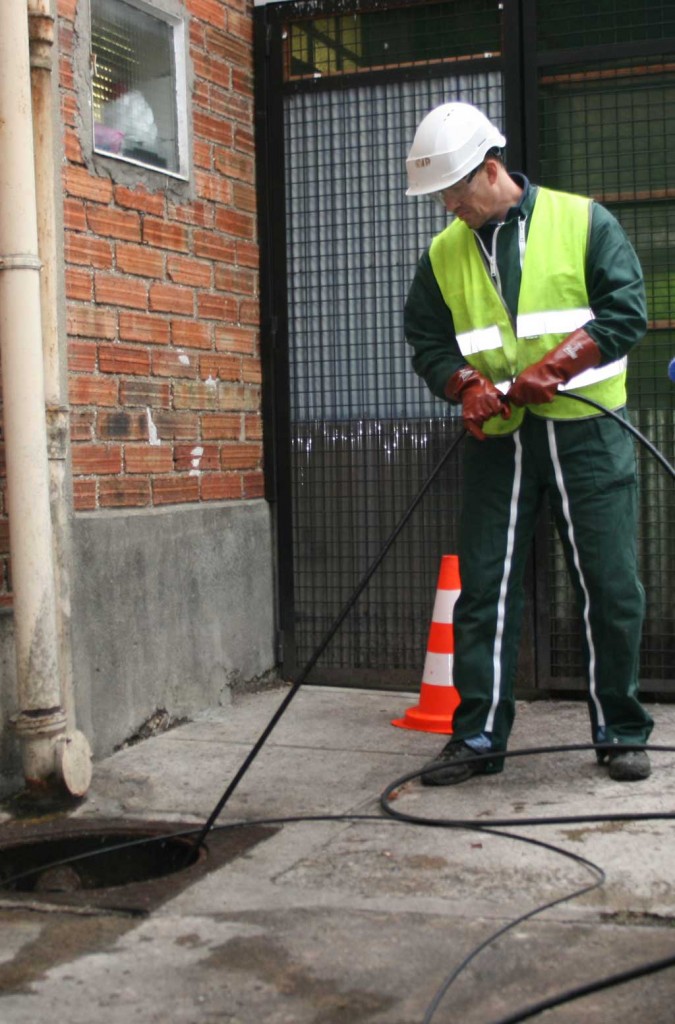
331, 921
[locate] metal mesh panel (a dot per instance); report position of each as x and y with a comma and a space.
608, 131
365, 430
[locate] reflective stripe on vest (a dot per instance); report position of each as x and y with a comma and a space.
553, 302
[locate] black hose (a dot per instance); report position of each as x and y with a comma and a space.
652, 449
349, 604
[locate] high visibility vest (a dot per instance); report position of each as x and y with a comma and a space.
553, 302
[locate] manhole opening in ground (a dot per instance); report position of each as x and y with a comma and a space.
94, 860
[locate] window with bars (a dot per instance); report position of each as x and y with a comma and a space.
138, 94
396, 37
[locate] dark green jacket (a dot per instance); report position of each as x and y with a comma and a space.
613, 279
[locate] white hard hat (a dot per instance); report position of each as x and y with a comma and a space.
449, 142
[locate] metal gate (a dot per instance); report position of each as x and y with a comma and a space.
586, 97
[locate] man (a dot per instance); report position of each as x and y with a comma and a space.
526, 293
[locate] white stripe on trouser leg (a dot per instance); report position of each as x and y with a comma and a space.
503, 589
553, 448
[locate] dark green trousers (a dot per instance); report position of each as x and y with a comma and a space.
588, 469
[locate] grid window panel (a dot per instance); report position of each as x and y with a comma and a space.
608, 131
366, 430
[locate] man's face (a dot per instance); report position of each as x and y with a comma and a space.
472, 200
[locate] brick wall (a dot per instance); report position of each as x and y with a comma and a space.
162, 295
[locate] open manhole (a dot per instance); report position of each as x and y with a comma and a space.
123, 866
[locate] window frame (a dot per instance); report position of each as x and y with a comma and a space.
179, 46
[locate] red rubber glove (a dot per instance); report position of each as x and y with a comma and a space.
538, 383
479, 397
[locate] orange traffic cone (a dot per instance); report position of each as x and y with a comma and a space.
438, 696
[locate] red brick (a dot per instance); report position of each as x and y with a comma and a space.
79, 182
249, 312
197, 34
236, 339
242, 82
122, 426
144, 327
124, 359
217, 307
66, 38
177, 426
84, 495
74, 216
248, 255
242, 225
243, 196
82, 425
212, 70
111, 290
234, 165
242, 282
196, 212
92, 391
124, 493
89, 252
244, 138
140, 199
214, 188
196, 457
220, 486
213, 246
221, 427
165, 236
139, 259
148, 458
184, 270
66, 76
170, 363
89, 322
251, 371
79, 284
240, 456
190, 334
96, 459
201, 152
171, 298
81, 356
213, 129
69, 109
237, 397
220, 367
253, 428
4, 537
67, 9
240, 25
254, 485
229, 49
154, 394
195, 395
212, 11
72, 149
176, 489
114, 223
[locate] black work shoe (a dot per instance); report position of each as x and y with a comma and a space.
629, 765
457, 762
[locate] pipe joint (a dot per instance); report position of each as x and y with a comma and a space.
20, 261
52, 756
41, 40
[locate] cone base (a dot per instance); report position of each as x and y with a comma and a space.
425, 721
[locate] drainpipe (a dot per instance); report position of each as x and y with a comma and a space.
51, 752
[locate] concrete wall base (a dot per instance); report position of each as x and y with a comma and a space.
172, 609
